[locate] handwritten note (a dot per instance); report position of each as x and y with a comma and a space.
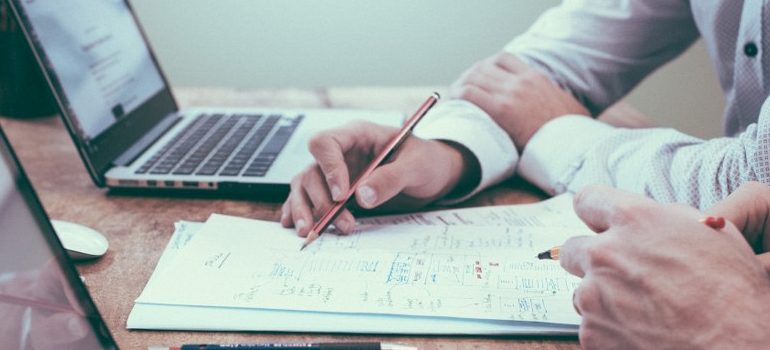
554, 212
479, 272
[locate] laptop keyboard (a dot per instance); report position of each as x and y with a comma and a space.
226, 145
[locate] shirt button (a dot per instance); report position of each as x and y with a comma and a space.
750, 49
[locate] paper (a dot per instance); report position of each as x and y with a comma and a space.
197, 318
554, 212
478, 278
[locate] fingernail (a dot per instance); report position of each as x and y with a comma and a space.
283, 216
300, 224
367, 196
336, 192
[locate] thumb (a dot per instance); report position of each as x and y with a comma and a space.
383, 184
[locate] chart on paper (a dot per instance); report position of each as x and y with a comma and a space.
483, 272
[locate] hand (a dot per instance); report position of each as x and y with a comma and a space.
420, 172
749, 209
516, 96
658, 278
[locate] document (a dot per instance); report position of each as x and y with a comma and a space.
200, 318
554, 212
470, 279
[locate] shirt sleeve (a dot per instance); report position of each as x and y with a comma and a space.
570, 44
468, 125
664, 164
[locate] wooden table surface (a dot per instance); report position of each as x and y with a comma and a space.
138, 228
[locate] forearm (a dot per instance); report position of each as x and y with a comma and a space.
565, 44
661, 163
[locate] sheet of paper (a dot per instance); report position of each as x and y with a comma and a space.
483, 272
554, 212
200, 318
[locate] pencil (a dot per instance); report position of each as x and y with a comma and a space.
550, 254
715, 222
380, 159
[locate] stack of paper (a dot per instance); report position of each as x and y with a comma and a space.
464, 271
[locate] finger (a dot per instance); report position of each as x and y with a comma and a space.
573, 255
321, 201
748, 209
345, 222
601, 206
383, 184
488, 77
475, 95
301, 213
764, 259
314, 185
329, 153
329, 149
510, 63
286, 214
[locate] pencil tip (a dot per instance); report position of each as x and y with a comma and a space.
546, 255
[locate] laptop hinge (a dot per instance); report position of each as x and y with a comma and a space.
149, 138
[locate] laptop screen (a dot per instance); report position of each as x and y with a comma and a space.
43, 303
109, 88
99, 57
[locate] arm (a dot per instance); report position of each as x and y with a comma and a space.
661, 163
600, 50
577, 59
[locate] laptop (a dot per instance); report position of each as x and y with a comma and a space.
43, 302
120, 111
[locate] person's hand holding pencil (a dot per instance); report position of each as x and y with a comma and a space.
418, 173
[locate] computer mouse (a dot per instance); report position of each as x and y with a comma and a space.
81, 242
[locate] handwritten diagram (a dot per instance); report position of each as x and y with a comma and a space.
482, 272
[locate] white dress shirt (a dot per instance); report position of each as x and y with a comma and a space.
599, 50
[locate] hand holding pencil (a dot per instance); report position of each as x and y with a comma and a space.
419, 173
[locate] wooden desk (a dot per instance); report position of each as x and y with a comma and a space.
138, 228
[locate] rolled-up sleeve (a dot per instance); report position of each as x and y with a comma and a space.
468, 125
601, 49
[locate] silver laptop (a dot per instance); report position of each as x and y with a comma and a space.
122, 116
43, 302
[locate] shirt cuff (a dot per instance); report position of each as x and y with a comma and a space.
466, 124
550, 165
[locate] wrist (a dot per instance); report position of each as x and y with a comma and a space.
463, 170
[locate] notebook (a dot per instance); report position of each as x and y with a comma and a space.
40, 290
127, 127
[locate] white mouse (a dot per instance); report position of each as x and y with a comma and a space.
81, 242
